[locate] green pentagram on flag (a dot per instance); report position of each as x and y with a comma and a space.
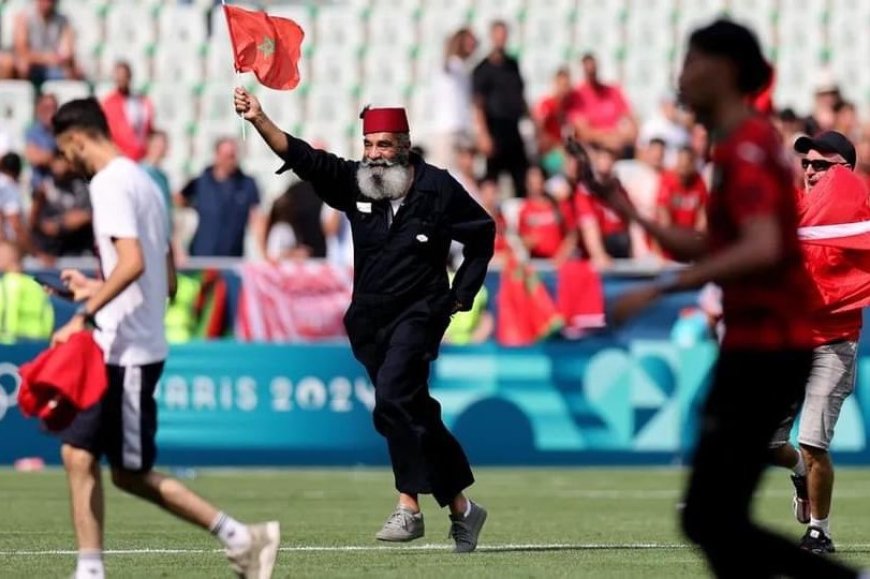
267, 47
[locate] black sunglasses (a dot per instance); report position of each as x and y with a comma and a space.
819, 165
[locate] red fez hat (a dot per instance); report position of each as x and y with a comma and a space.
384, 120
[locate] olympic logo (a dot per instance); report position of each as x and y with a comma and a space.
8, 398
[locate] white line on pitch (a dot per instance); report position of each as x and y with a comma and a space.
375, 548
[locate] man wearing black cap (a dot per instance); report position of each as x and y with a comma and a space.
832, 379
752, 250
404, 213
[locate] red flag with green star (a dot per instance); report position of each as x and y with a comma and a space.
268, 46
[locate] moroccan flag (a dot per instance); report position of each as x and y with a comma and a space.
579, 297
525, 311
835, 236
268, 46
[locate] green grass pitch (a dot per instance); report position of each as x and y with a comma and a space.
543, 523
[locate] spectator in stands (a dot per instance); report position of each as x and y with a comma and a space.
130, 115
227, 202
618, 241
669, 125
25, 308
605, 117
464, 169
555, 115
863, 156
43, 42
155, 153
682, 197
11, 222
827, 98
40, 147
489, 197
451, 107
336, 231
640, 178
542, 226
789, 125
294, 229
499, 106
60, 216
846, 120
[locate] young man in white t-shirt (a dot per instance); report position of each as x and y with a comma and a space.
128, 306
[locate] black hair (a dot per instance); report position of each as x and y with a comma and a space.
81, 114
738, 44
658, 141
10, 164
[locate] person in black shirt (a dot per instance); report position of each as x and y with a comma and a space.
499, 106
404, 213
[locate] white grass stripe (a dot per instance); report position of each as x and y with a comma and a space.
370, 548
855, 547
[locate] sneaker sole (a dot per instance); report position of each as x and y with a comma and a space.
399, 539
269, 553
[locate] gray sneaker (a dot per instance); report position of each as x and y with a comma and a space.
403, 525
466, 530
258, 560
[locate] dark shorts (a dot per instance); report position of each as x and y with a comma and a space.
123, 425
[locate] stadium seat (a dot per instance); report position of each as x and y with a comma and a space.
485, 11
335, 67
286, 108
174, 105
548, 30
139, 59
8, 10
539, 67
16, 108
393, 28
174, 61
206, 135
759, 15
131, 25
183, 27
341, 28
392, 68
599, 30
216, 103
67, 90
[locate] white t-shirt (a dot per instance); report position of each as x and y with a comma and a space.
280, 240
128, 204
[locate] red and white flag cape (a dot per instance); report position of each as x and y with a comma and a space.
835, 235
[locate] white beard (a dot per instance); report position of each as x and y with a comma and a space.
383, 181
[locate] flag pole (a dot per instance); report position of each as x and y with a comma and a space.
238, 73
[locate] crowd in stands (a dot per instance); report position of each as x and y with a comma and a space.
509, 153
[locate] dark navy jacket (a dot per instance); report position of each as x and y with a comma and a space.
396, 265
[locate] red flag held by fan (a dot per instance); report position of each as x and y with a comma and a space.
268, 46
835, 235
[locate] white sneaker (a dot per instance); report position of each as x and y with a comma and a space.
258, 560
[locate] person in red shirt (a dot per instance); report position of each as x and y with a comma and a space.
542, 227
130, 115
555, 112
752, 251
682, 197
604, 116
832, 380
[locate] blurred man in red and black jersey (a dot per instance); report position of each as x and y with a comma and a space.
752, 251
682, 198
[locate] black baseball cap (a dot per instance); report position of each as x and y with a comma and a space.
828, 142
